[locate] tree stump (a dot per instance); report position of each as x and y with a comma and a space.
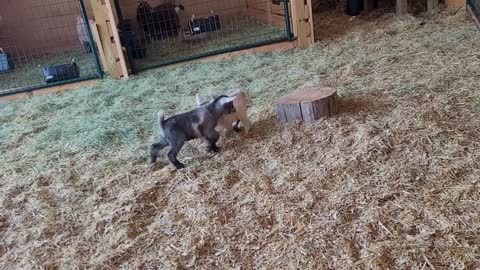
308, 104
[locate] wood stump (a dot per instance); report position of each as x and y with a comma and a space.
308, 104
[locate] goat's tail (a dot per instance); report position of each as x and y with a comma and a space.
160, 118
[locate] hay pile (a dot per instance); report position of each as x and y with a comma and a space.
391, 182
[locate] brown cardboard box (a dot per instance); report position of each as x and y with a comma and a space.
455, 3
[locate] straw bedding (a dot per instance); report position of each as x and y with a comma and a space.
390, 182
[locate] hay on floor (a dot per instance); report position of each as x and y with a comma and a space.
390, 182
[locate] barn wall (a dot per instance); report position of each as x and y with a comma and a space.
32, 27
265, 6
267, 12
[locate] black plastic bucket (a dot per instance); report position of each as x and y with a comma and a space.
354, 7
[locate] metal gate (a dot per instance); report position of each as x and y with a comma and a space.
45, 43
157, 34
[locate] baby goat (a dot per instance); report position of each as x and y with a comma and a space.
200, 122
226, 121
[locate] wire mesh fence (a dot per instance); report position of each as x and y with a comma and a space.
475, 6
157, 34
43, 43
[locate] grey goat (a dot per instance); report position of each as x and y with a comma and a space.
197, 123
231, 121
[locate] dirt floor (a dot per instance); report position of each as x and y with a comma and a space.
391, 182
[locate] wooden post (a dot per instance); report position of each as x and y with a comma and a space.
402, 7
303, 22
98, 42
293, 17
105, 18
309, 11
432, 5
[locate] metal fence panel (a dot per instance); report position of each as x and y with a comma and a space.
161, 34
45, 43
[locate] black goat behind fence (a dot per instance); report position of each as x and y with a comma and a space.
159, 22
172, 32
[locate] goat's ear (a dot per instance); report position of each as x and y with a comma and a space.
227, 100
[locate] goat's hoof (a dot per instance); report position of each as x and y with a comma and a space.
179, 165
237, 129
213, 149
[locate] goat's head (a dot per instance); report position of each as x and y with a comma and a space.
224, 104
143, 7
178, 8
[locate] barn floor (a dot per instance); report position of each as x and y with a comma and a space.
392, 181
30, 74
235, 32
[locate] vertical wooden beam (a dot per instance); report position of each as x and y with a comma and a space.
98, 42
299, 23
303, 22
293, 17
112, 15
309, 10
432, 5
402, 7
110, 41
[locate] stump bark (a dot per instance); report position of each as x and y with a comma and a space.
307, 104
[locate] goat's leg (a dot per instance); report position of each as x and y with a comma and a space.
236, 127
212, 137
227, 126
242, 116
154, 149
172, 154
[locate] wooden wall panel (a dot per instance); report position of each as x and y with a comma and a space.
32, 27
267, 12
265, 6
